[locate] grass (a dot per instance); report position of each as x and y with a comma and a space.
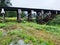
2, 25
28, 38
32, 33
47, 28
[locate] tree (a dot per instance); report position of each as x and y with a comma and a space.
5, 3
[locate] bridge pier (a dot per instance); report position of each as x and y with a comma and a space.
3, 14
19, 15
29, 16
56, 12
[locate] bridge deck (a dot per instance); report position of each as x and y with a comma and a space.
25, 9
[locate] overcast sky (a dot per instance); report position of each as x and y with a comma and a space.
44, 4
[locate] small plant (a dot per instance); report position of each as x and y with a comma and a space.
33, 39
2, 25
1, 33
26, 41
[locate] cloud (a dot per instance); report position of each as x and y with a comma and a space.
46, 4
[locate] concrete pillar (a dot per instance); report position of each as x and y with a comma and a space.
56, 12
3, 14
49, 14
42, 12
29, 16
19, 15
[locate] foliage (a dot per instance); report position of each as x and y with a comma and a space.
2, 25
55, 21
11, 14
1, 34
5, 3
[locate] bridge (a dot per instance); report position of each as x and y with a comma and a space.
48, 13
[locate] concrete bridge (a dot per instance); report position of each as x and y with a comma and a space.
43, 15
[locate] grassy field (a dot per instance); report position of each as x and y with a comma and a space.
30, 32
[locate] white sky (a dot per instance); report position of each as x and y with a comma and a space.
44, 4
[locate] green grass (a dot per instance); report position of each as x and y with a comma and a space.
2, 25
16, 31
21, 33
27, 38
47, 28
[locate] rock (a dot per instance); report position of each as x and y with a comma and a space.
27, 44
20, 42
12, 44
